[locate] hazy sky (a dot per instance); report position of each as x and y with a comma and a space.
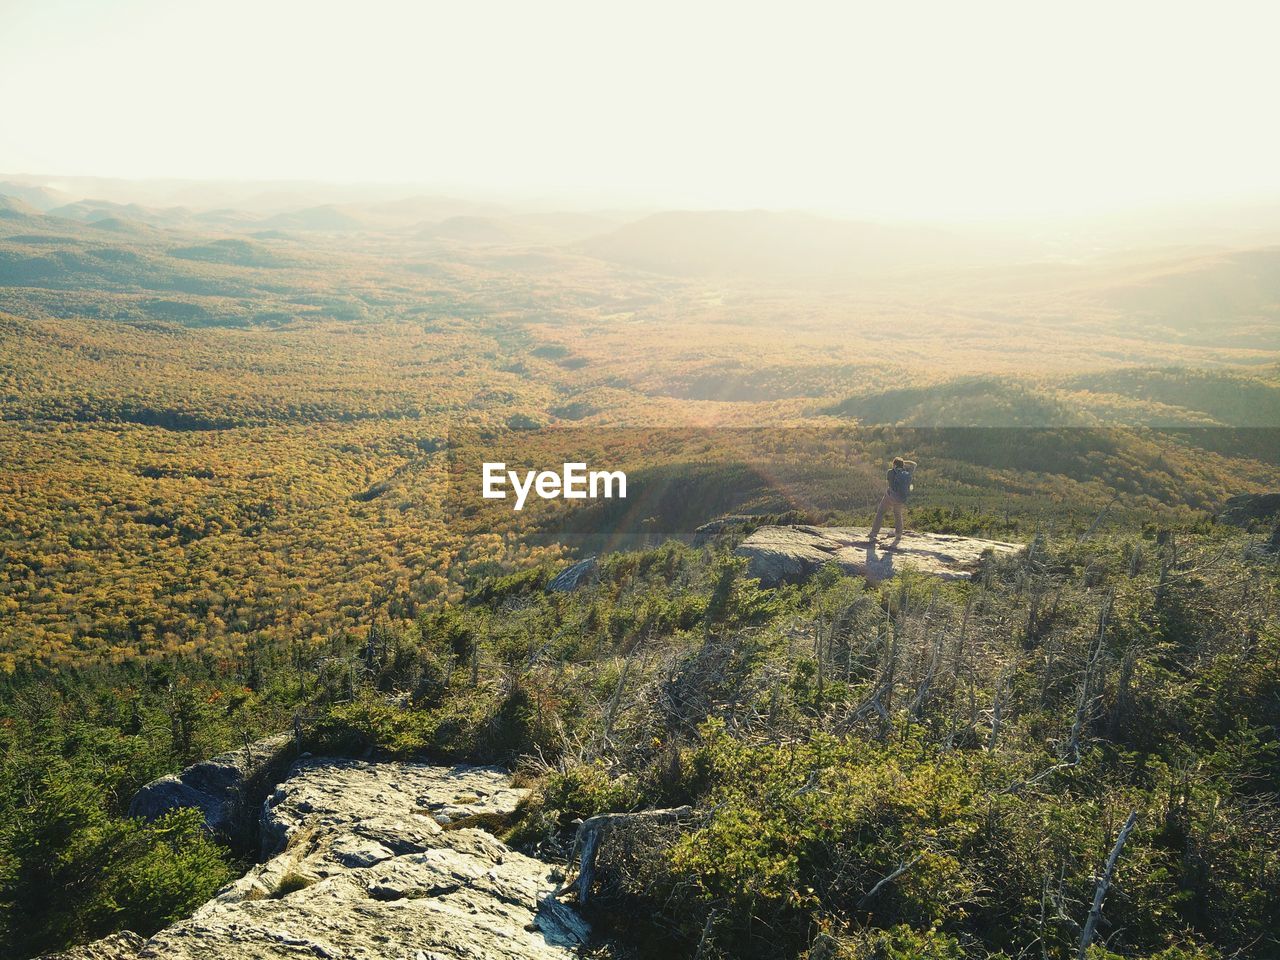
918, 109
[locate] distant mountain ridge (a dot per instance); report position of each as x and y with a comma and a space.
14, 208
763, 242
37, 197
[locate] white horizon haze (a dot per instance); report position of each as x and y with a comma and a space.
926, 111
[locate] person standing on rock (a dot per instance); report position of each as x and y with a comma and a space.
900, 476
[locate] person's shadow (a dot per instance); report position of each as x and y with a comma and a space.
879, 566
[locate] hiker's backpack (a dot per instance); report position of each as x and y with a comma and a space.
900, 483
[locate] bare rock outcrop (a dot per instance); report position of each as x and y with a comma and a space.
378, 861
571, 578
1246, 509
791, 554
227, 789
713, 528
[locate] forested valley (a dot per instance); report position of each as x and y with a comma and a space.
229, 490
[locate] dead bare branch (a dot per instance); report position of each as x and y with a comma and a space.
1104, 881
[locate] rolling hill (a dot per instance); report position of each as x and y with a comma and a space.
35, 196
1235, 295
766, 243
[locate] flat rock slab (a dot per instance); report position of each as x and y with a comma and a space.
378, 799
792, 554
367, 867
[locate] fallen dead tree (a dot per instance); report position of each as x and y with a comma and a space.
619, 832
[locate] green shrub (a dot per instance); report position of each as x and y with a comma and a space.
818, 824
583, 790
70, 872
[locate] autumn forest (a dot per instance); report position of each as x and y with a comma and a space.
236, 457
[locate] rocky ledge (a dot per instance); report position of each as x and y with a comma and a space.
1246, 509
228, 790
792, 554
380, 861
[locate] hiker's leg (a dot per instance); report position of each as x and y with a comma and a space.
875, 527
897, 521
